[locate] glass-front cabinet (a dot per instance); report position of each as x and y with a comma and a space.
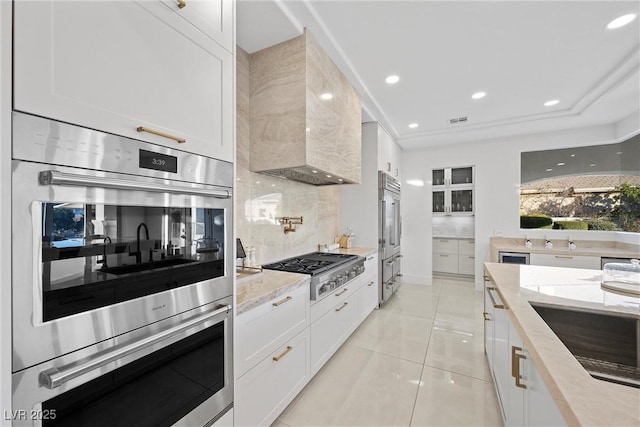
453, 191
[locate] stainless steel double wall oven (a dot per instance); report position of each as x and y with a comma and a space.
122, 280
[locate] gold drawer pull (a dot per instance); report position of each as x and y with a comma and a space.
493, 300
181, 4
486, 315
162, 134
284, 353
342, 306
282, 301
564, 257
515, 366
371, 284
342, 292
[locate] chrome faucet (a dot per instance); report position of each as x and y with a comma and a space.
139, 252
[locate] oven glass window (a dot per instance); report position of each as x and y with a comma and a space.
156, 390
98, 255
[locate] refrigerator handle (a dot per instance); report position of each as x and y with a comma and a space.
383, 208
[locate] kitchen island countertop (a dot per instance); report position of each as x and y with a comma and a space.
582, 399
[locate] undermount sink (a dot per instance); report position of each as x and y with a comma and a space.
606, 345
152, 265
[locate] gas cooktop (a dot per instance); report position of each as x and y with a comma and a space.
312, 263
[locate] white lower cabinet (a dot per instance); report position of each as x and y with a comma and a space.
523, 397
368, 295
454, 256
264, 391
332, 329
571, 261
264, 328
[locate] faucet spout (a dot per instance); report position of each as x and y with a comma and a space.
138, 251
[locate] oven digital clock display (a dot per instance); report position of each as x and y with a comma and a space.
159, 162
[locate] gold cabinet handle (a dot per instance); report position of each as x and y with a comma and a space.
371, 284
342, 306
162, 134
284, 353
493, 300
515, 365
486, 315
342, 292
181, 4
282, 301
564, 257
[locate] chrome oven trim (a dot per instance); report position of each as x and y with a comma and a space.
28, 392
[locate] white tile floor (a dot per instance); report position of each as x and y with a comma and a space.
419, 361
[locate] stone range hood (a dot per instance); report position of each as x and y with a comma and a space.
304, 115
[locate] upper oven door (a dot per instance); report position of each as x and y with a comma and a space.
98, 254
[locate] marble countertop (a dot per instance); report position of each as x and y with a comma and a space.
454, 237
266, 286
560, 247
582, 399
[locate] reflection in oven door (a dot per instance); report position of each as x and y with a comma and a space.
154, 380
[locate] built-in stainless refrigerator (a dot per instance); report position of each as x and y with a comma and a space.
390, 226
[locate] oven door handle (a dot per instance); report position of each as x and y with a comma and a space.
62, 178
55, 377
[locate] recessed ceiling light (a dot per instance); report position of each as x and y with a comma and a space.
592, 164
621, 21
551, 102
573, 155
326, 96
413, 125
478, 95
392, 79
619, 152
561, 164
549, 170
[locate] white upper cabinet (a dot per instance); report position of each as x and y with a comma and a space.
453, 191
389, 154
213, 17
119, 66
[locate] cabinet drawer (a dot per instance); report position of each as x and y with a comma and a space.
445, 263
320, 308
466, 247
261, 330
371, 264
445, 246
331, 330
467, 264
571, 261
368, 294
263, 392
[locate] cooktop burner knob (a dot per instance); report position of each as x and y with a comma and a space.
352, 274
332, 284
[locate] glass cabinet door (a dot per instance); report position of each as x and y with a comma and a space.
438, 177
461, 176
438, 201
462, 201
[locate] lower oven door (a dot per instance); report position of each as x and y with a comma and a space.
178, 371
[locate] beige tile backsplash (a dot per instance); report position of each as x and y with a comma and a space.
259, 199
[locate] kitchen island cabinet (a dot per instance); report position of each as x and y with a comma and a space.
558, 389
153, 75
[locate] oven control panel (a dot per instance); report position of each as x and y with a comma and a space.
335, 279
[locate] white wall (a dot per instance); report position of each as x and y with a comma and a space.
497, 183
